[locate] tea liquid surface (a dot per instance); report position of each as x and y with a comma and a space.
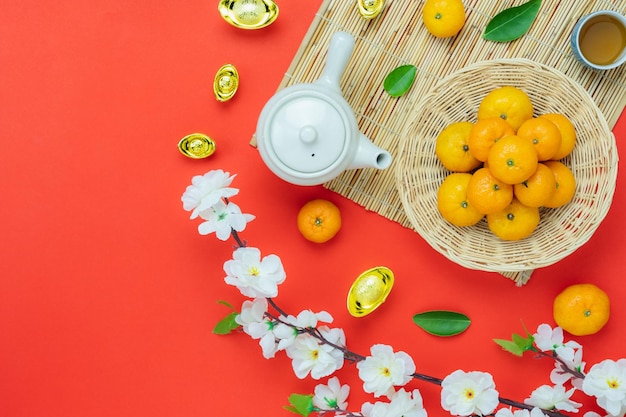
602, 39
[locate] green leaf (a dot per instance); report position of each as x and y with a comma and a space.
442, 323
525, 343
227, 324
226, 303
400, 80
512, 23
300, 404
518, 344
510, 346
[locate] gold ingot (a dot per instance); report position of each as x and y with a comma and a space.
226, 82
369, 9
248, 14
369, 291
196, 146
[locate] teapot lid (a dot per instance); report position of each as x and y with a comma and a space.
304, 132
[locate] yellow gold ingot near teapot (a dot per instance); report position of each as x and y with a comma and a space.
248, 14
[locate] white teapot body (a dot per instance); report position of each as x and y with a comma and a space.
307, 133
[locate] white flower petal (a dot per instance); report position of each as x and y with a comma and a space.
607, 382
331, 396
206, 190
467, 393
246, 272
310, 356
384, 369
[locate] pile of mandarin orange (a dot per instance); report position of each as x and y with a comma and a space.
506, 165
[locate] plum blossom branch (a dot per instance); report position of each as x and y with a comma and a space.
562, 365
237, 239
318, 350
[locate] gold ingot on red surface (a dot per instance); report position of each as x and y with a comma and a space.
226, 82
196, 146
369, 291
248, 14
369, 9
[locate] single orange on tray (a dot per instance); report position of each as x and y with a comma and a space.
538, 189
485, 133
443, 18
582, 309
509, 103
452, 201
487, 193
568, 133
319, 220
452, 148
512, 159
543, 134
515, 222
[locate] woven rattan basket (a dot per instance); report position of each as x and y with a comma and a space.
561, 231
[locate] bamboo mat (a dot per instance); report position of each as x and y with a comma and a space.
397, 36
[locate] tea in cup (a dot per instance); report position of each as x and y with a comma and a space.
599, 40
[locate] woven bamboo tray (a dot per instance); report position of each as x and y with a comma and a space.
397, 37
562, 230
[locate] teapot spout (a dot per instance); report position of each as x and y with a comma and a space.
369, 155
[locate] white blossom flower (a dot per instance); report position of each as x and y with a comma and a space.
253, 276
467, 393
310, 355
403, 403
256, 325
308, 318
221, 218
556, 397
288, 331
595, 414
332, 396
551, 340
206, 190
559, 376
548, 339
384, 369
286, 335
508, 412
607, 382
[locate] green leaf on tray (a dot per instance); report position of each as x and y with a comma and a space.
400, 80
300, 404
512, 23
442, 323
227, 324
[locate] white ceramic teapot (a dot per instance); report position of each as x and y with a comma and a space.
307, 133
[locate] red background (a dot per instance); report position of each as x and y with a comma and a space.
108, 293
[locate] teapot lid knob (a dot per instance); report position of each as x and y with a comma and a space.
308, 134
